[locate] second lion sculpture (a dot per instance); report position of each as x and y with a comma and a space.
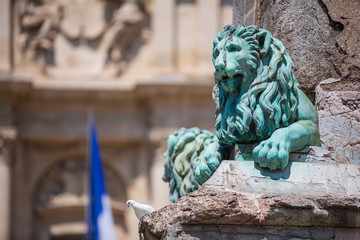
258, 100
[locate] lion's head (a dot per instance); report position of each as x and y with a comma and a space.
255, 90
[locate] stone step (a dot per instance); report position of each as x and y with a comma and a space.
299, 178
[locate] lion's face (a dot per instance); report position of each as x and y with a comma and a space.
231, 58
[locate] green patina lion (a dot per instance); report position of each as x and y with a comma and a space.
258, 100
183, 151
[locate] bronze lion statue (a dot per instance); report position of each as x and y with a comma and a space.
258, 101
185, 147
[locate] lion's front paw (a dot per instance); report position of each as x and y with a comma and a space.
273, 153
208, 162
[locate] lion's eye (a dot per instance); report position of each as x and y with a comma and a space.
234, 47
216, 53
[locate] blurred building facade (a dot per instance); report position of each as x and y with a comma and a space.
143, 66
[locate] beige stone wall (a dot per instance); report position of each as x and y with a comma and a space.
144, 67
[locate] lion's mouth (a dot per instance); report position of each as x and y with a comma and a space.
231, 82
237, 76
232, 74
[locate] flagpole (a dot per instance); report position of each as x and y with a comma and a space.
88, 213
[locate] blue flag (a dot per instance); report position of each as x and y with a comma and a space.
100, 221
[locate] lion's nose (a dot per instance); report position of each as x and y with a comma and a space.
220, 64
220, 61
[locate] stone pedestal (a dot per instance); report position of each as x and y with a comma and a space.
338, 107
310, 199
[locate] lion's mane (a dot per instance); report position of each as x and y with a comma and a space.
184, 148
272, 99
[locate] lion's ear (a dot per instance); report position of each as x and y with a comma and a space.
264, 39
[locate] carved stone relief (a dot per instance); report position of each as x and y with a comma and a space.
66, 183
86, 38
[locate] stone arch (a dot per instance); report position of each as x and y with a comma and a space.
59, 197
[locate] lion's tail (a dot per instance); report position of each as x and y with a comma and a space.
181, 156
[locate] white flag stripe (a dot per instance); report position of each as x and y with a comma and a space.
105, 220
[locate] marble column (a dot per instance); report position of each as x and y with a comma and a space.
160, 189
186, 53
7, 136
208, 26
164, 38
226, 12
5, 35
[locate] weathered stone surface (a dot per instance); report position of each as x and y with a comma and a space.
243, 198
238, 12
298, 178
218, 205
346, 12
339, 120
319, 36
232, 232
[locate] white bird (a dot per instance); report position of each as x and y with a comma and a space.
139, 209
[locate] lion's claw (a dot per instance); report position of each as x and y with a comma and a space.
273, 153
208, 162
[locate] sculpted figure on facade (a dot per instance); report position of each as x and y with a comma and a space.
258, 101
81, 37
